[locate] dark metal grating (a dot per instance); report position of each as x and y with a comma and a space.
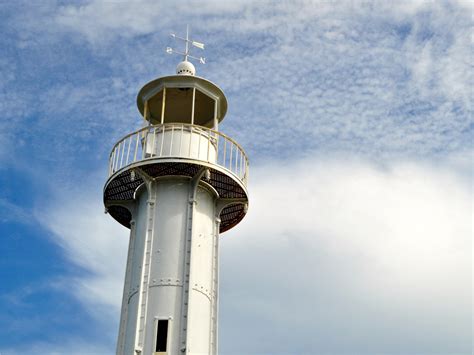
121, 214
121, 188
230, 216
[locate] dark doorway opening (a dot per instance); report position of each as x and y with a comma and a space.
161, 335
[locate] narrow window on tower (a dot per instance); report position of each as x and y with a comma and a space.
161, 335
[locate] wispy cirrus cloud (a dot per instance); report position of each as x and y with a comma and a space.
382, 80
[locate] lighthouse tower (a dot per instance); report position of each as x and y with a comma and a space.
176, 184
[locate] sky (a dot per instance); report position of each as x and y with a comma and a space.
357, 120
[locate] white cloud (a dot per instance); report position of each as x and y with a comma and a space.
99, 20
91, 241
439, 59
102, 21
347, 257
335, 256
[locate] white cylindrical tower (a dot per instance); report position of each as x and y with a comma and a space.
176, 183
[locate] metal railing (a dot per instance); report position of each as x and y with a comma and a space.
176, 140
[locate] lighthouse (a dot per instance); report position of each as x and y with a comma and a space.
177, 184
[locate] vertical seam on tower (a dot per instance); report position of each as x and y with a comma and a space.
146, 263
213, 323
194, 183
187, 269
216, 286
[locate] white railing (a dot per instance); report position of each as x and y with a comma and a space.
176, 140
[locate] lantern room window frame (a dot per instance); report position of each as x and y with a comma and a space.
162, 89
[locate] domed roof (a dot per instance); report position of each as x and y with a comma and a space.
185, 68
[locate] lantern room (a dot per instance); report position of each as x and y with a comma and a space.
182, 98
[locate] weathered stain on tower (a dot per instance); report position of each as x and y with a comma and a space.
176, 183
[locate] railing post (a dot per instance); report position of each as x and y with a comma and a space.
236, 158
199, 144
171, 143
112, 161
190, 140
208, 144
181, 140
136, 147
145, 138
230, 159
225, 148
153, 142
123, 151
162, 133
242, 158
117, 156
128, 150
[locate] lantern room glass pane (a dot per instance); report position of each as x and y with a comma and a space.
178, 105
204, 109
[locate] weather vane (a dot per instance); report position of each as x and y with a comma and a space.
188, 42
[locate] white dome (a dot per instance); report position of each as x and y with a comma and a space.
185, 68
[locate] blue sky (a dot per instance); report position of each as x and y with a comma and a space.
356, 116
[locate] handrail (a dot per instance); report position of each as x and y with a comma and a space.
180, 140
